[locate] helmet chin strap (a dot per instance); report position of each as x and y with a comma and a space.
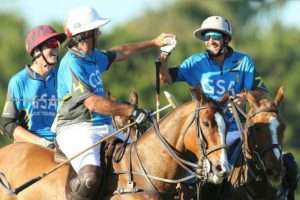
80, 38
49, 63
45, 59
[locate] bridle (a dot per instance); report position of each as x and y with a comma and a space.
198, 170
258, 154
204, 165
200, 135
256, 167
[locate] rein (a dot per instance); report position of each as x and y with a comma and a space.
205, 151
201, 169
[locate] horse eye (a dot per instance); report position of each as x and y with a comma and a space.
206, 124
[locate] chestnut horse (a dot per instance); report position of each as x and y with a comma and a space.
262, 165
189, 142
259, 170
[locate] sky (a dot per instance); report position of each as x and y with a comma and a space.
38, 12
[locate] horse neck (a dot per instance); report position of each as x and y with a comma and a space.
172, 127
246, 164
247, 152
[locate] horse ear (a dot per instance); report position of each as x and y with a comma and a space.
108, 94
133, 98
252, 100
279, 96
197, 93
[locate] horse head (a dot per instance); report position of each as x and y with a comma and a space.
207, 139
188, 142
120, 121
265, 134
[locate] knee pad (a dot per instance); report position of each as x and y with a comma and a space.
84, 185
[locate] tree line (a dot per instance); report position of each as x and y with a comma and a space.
256, 31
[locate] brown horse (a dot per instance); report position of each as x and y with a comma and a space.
259, 171
189, 140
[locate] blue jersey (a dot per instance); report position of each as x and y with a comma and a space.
235, 75
32, 101
78, 79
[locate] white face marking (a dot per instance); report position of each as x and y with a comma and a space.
273, 127
222, 128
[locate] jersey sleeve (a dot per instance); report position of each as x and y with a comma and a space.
10, 114
80, 88
105, 58
185, 72
173, 73
111, 56
253, 81
259, 83
12, 98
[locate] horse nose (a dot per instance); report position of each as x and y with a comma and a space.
220, 170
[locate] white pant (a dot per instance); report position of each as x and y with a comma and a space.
76, 137
232, 136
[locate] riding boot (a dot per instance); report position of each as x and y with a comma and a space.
85, 185
292, 175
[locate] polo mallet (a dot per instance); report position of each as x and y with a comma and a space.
171, 100
157, 86
170, 44
15, 191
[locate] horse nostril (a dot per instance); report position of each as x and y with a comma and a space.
220, 170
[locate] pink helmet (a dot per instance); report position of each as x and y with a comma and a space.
41, 34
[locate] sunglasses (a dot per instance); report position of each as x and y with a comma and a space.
52, 44
213, 36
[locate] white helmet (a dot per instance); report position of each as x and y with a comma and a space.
83, 19
216, 23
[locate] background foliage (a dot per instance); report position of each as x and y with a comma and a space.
256, 30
